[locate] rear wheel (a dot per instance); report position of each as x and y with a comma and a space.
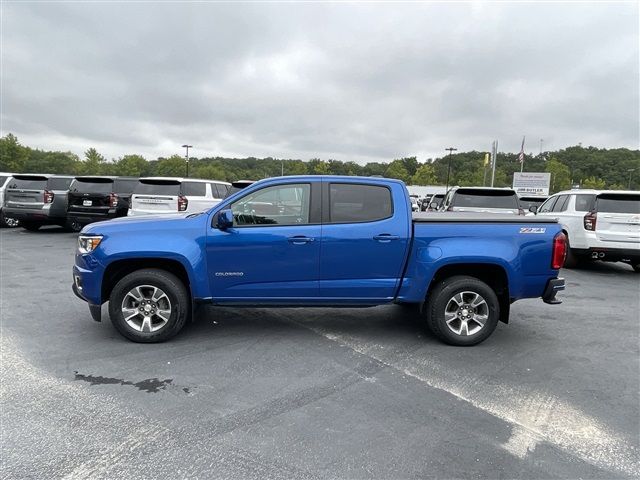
73, 225
462, 311
31, 226
149, 306
572, 260
6, 222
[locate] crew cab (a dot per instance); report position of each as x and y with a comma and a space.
599, 224
318, 241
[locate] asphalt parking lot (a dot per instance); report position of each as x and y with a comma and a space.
315, 393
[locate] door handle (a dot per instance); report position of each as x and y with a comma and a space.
300, 240
385, 237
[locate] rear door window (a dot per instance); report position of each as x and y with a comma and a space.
59, 183
124, 185
219, 190
157, 187
354, 203
561, 204
194, 189
585, 203
92, 185
485, 199
618, 203
28, 183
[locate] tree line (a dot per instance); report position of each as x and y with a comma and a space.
589, 167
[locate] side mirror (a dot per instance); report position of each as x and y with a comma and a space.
533, 209
225, 219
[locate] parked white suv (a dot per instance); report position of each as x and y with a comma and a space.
4, 181
163, 195
599, 224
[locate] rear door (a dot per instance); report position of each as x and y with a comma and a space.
26, 192
90, 195
618, 218
155, 196
364, 241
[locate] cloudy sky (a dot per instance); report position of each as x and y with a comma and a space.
363, 82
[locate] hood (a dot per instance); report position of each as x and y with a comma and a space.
144, 223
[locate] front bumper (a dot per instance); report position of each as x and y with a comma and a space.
554, 286
95, 310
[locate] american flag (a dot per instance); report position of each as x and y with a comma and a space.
521, 156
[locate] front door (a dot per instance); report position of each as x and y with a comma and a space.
272, 252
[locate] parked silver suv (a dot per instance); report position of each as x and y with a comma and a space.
5, 177
37, 199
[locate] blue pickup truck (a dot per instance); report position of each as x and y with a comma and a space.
318, 241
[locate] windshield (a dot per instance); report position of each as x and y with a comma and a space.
157, 187
485, 199
618, 203
92, 185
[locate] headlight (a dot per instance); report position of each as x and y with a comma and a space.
88, 243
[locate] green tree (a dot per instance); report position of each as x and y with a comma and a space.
411, 164
318, 167
593, 182
93, 163
174, 166
425, 175
560, 175
210, 172
397, 170
132, 165
13, 156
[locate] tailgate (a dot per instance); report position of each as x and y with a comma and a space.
154, 203
618, 218
95, 203
32, 199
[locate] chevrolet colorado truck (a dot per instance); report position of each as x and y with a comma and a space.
318, 241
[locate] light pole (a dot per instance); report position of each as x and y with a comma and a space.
187, 156
631, 170
451, 150
541, 140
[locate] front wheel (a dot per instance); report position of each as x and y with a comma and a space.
462, 311
149, 306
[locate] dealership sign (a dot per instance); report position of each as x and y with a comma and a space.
531, 184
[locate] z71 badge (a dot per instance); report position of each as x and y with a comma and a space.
533, 229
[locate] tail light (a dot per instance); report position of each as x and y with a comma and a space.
590, 221
520, 211
183, 203
559, 251
48, 196
113, 200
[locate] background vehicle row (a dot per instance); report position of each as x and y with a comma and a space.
35, 200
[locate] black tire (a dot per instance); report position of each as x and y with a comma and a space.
175, 291
636, 267
31, 226
7, 222
73, 225
441, 297
571, 260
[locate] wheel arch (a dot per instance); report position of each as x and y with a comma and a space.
492, 274
118, 269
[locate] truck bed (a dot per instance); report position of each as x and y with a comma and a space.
472, 217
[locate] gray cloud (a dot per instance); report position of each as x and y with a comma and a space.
347, 81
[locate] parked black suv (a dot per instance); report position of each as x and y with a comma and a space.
92, 199
36, 200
